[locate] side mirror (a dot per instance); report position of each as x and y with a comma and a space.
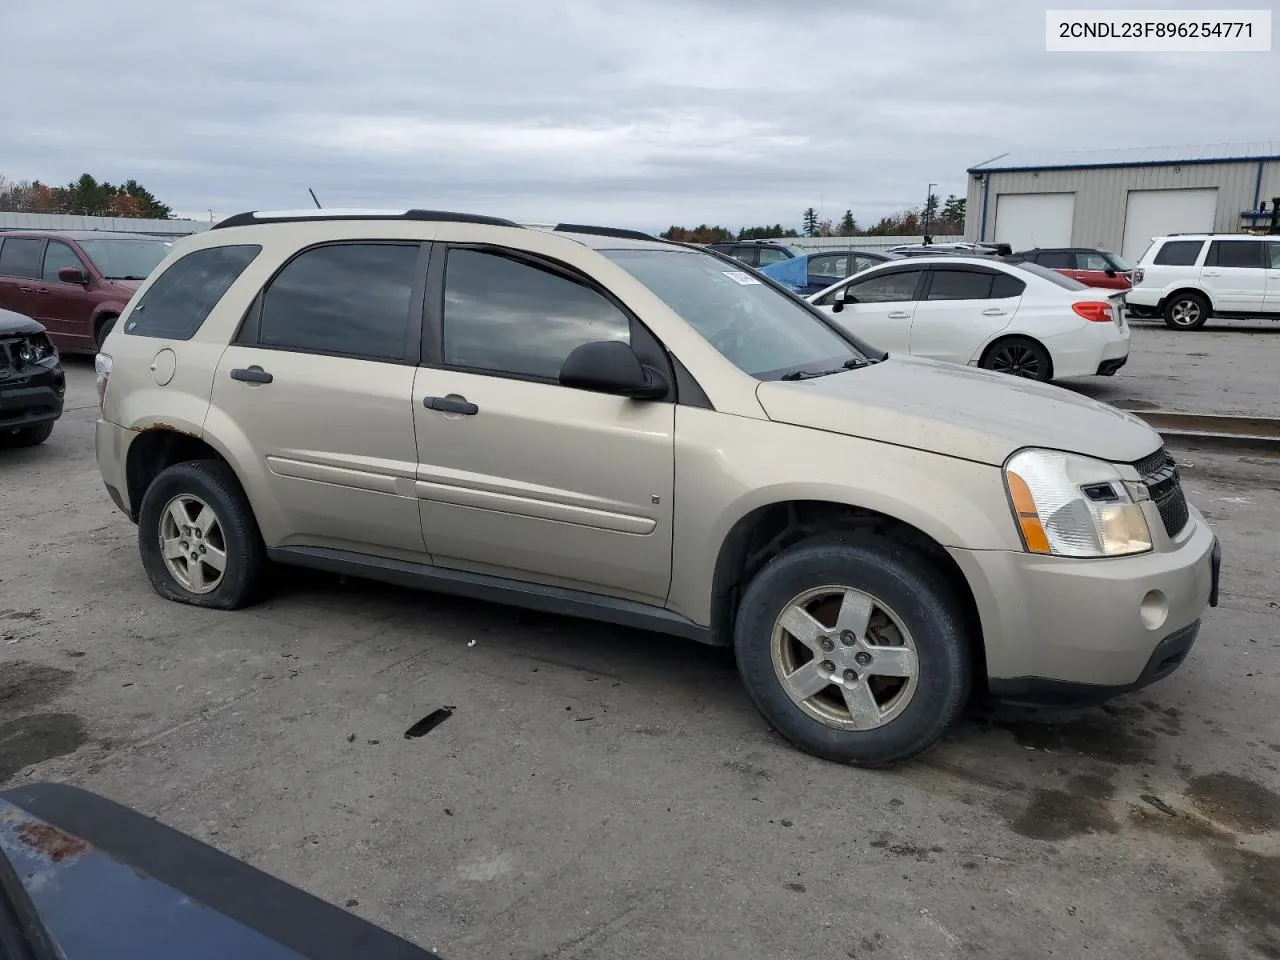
611, 366
1110, 271
842, 297
72, 275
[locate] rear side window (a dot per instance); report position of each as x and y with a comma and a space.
182, 297
56, 256
1275, 255
1053, 276
959, 285
1179, 253
1005, 286
349, 299
769, 255
20, 257
1235, 253
1056, 260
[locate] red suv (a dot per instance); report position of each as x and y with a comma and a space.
75, 283
1097, 268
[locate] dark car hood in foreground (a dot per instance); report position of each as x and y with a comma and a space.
957, 411
11, 322
103, 882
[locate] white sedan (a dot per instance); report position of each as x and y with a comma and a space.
1011, 316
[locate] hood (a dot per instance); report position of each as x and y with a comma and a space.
11, 322
957, 411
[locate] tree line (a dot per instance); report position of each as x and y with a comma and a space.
943, 217
86, 197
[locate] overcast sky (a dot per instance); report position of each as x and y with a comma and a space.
637, 113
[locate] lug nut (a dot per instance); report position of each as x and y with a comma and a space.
828, 666
847, 638
827, 645
850, 676
202, 550
863, 658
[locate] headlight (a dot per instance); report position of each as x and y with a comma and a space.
1073, 506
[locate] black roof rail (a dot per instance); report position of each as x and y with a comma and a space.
604, 232
253, 217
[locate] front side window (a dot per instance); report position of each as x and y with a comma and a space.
123, 259
762, 331
1235, 253
1179, 253
181, 298
861, 263
1118, 262
20, 257
1092, 261
959, 285
56, 256
509, 316
887, 287
349, 299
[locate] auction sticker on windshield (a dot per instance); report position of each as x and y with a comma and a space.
737, 276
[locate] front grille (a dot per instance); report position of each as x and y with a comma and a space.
1160, 474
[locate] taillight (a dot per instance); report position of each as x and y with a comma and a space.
1096, 311
102, 375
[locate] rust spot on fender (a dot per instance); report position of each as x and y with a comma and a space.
170, 427
53, 843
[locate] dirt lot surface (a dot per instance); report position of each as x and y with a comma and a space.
605, 793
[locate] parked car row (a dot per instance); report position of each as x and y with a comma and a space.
75, 283
595, 422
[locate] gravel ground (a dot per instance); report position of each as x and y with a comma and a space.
605, 793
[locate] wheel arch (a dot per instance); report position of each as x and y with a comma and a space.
159, 447
1184, 289
766, 531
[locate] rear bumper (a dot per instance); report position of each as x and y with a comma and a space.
1108, 368
1082, 352
111, 445
33, 399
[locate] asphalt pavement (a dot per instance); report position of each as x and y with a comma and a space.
599, 792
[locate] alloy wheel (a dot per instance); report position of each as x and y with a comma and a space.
845, 658
1016, 359
192, 544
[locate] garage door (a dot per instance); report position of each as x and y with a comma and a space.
1025, 220
1157, 213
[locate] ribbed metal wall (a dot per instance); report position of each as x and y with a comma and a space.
1102, 194
58, 221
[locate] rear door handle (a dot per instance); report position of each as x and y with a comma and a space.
993, 312
27, 289
251, 375
451, 405
898, 315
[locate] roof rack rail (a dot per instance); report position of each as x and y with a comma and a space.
299, 216
603, 231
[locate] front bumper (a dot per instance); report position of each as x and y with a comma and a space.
1061, 630
31, 395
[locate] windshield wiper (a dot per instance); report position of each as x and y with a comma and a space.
853, 363
131, 276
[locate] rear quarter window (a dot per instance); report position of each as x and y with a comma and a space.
1179, 253
181, 298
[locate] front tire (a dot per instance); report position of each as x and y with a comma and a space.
1019, 357
1186, 311
27, 436
101, 331
198, 537
853, 647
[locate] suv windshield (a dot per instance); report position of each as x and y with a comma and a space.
765, 333
125, 259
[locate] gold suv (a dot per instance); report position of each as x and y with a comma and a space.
598, 423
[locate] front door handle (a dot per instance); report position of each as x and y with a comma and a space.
27, 289
1211, 273
993, 312
898, 315
254, 374
451, 405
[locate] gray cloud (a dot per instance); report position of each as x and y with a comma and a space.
633, 112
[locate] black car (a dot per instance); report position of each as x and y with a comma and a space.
32, 384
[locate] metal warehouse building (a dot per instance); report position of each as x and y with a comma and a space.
1119, 199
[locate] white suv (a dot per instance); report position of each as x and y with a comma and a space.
1187, 278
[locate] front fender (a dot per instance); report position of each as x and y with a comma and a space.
728, 467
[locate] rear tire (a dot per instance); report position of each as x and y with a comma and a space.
27, 436
1019, 357
198, 538
1187, 311
886, 665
